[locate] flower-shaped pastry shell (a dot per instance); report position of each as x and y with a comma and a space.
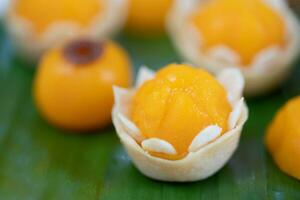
203, 160
269, 67
32, 44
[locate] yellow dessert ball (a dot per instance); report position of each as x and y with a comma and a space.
283, 138
73, 85
177, 104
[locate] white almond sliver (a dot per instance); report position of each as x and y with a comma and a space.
207, 135
131, 128
235, 114
265, 58
224, 54
159, 146
144, 74
234, 82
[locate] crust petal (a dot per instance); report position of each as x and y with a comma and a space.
131, 128
235, 115
143, 75
233, 81
207, 135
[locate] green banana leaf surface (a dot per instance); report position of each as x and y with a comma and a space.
38, 161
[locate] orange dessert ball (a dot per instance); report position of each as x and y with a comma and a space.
148, 16
283, 138
245, 26
43, 13
178, 104
73, 85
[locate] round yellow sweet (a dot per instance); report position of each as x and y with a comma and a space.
283, 138
177, 104
73, 85
245, 26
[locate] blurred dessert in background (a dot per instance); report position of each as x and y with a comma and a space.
260, 37
36, 25
147, 17
283, 138
73, 84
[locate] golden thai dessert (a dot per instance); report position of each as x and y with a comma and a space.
260, 37
148, 17
283, 138
36, 25
181, 124
73, 85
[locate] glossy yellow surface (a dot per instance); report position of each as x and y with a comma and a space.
283, 138
148, 16
245, 26
177, 104
80, 97
43, 13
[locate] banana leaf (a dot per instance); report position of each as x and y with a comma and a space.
38, 161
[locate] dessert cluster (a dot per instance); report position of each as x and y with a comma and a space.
183, 122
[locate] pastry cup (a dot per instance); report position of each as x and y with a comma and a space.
31, 44
207, 154
267, 70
